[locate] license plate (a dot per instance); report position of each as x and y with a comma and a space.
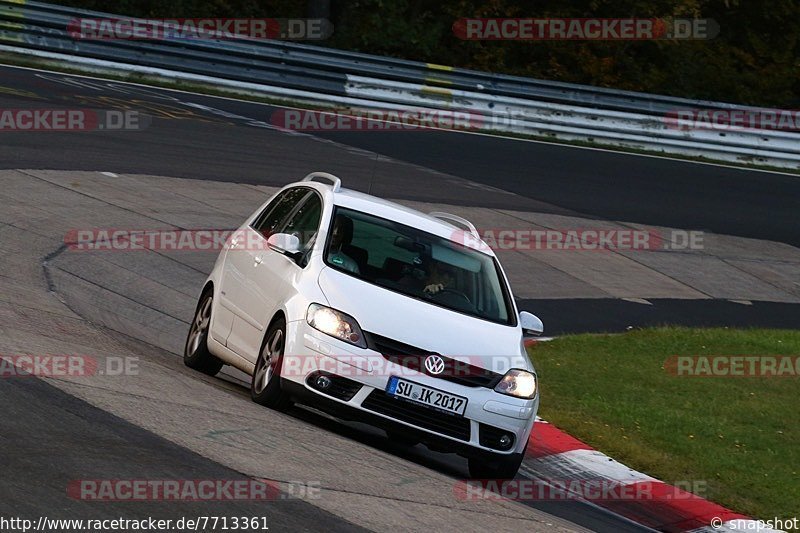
414, 392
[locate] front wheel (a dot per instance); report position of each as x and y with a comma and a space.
195, 352
497, 467
265, 388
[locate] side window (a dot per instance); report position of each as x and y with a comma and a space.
276, 212
304, 221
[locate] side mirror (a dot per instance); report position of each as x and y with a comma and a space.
284, 243
531, 324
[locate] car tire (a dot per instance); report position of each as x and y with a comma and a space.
495, 467
195, 352
265, 386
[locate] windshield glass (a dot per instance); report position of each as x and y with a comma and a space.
417, 264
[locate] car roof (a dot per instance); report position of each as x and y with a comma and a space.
387, 209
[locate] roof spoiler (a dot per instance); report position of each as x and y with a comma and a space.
334, 182
456, 220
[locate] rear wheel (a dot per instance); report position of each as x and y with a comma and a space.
497, 467
195, 352
265, 388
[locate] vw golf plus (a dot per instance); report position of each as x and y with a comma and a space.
375, 312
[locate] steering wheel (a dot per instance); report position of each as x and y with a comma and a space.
454, 292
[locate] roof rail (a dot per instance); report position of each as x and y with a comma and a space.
335, 182
466, 224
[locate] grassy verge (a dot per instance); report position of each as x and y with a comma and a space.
738, 436
20, 60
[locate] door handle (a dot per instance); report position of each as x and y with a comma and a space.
259, 260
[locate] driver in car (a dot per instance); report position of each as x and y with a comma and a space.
342, 235
440, 277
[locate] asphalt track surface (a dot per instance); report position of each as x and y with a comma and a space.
199, 142
203, 145
605, 184
54, 435
361, 471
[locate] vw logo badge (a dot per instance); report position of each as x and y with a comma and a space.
434, 364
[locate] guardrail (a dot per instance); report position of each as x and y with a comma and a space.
365, 82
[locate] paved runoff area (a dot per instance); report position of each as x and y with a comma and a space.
139, 413
76, 281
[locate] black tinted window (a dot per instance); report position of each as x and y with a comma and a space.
276, 212
420, 265
304, 222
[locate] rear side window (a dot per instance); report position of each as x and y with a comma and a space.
304, 221
270, 220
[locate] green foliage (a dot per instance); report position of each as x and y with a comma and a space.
194, 8
754, 60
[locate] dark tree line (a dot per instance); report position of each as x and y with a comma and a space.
755, 59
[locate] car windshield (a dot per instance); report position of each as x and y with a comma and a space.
417, 264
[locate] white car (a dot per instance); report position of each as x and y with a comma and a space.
375, 312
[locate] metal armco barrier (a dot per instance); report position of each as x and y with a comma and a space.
365, 82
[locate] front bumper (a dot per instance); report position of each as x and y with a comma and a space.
362, 377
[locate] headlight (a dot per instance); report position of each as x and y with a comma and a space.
519, 383
336, 324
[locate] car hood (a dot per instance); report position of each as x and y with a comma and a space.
432, 328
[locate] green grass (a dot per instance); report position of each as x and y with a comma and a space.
739, 436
